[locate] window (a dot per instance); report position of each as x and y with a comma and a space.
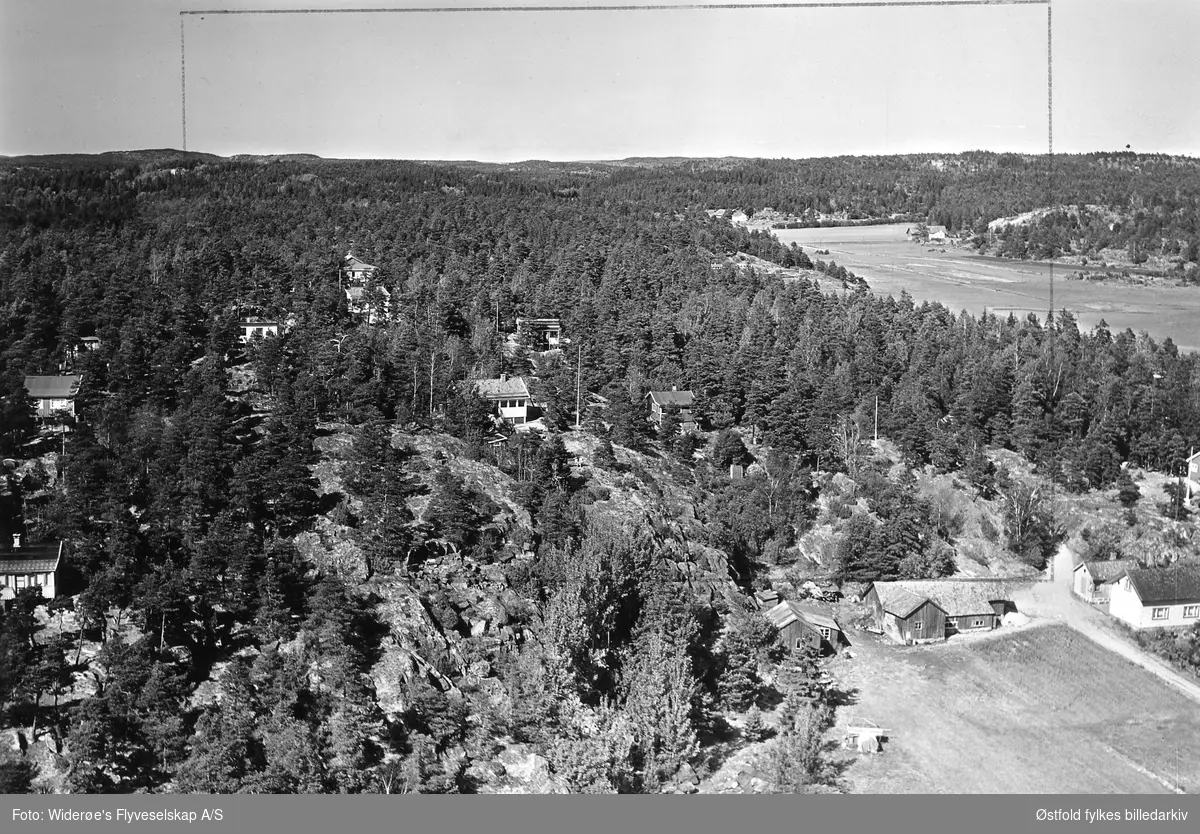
1190, 612
825, 633
21, 580
799, 642
977, 624
1160, 613
917, 625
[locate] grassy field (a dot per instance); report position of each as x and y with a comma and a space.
963, 281
1042, 710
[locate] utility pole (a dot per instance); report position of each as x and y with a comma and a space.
876, 419
578, 378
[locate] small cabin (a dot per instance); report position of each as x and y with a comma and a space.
54, 394
543, 334
679, 403
801, 626
509, 396
32, 566
256, 330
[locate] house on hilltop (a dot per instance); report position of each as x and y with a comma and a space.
801, 626
679, 403
509, 396
33, 566
1157, 597
54, 394
1093, 581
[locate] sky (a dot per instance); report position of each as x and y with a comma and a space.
87, 76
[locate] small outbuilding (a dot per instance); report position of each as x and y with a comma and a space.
801, 626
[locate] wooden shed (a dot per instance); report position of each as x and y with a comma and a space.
800, 626
904, 616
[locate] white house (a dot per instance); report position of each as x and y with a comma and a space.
1093, 581
363, 295
257, 330
54, 394
29, 567
509, 396
1157, 597
1192, 482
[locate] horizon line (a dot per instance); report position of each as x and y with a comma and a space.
822, 4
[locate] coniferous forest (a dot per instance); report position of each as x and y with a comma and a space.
314, 562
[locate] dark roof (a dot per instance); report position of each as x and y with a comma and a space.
821, 619
1178, 583
681, 398
1108, 571
37, 558
53, 387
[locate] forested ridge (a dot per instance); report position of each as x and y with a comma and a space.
206, 524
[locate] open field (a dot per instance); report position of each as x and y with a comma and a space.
964, 281
1040, 710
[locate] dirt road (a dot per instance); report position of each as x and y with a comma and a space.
1055, 600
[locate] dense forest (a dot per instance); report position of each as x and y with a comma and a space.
188, 508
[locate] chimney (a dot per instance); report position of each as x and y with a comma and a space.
16, 541
504, 377
674, 387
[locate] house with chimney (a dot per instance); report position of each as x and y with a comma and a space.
509, 396
29, 566
55, 395
679, 403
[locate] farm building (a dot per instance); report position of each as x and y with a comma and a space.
961, 605
1157, 597
509, 396
904, 616
969, 604
675, 402
1093, 580
35, 566
805, 626
54, 394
